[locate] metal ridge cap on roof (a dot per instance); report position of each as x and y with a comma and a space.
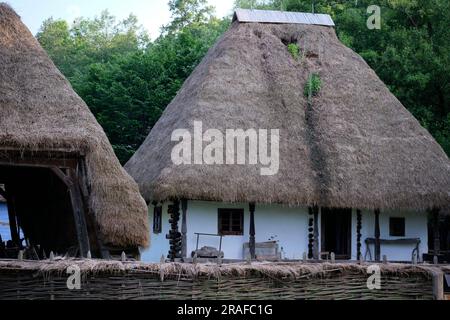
271, 16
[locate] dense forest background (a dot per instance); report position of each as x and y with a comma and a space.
127, 80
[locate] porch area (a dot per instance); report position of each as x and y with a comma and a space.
204, 230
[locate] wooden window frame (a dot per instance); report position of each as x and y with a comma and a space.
392, 229
222, 232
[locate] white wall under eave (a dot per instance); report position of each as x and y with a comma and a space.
202, 217
415, 227
159, 245
4, 220
288, 226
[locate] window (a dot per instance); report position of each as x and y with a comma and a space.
231, 222
157, 219
397, 227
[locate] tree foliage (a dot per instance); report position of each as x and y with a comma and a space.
188, 13
125, 79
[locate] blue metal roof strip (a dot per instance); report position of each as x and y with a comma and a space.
270, 16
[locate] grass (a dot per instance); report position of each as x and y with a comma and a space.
312, 86
294, 50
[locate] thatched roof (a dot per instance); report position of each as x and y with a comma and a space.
357, 146
289, 270
39, 111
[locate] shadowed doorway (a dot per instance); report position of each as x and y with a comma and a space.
336, 232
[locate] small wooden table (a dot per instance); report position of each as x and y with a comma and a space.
415, 241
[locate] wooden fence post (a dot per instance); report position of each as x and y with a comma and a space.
316, 233
438, 285
377, 235
252, 232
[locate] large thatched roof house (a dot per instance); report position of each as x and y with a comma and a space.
347, 151
64, 185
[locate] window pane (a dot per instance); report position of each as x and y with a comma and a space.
397, 227
226, 226
236, 220
230, 221
236, 228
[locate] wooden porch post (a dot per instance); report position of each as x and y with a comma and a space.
377, 235
79, 214
252, 243
316, 233
358, 234
310, 233
71, 181
174, 236
183, 229
436, 236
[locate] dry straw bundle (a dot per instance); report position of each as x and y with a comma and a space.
40, 112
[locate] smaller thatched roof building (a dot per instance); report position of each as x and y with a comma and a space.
47, 133
354, 146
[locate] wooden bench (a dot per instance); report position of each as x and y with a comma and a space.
415, 241
264, 251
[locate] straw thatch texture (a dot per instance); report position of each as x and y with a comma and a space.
355, 146
39, 111
131, 280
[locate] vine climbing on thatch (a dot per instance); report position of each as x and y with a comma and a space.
312, 87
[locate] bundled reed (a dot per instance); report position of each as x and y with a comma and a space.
42, 114
114, 280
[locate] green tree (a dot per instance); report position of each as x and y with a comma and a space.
54, 36
126, 80
187, 13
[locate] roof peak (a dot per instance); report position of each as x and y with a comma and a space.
6, 9
272, 16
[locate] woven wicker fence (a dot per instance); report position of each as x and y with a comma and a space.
149, 283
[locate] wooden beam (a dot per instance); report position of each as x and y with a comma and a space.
83, 180
377, 235
436, 235
79, 214
316, 233
310, 232
183, 228
252, 242
92, 224
3, 194
40, 163
358, 234
55, 152
63, 177
71, 182
438, 284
